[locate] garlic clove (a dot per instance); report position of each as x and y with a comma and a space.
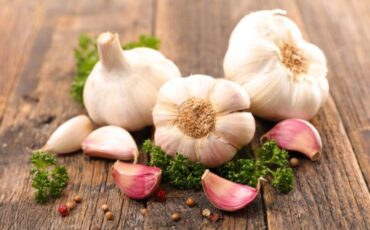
111, 142
168, 138
164, 114
136, 181
199, 85
68, 137
236, 128
227, 195
174, 92
212, 151
227, 96
296, 135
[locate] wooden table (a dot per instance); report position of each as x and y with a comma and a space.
37, 67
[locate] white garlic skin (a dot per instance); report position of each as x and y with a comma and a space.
121, 89
67, 138
254, 60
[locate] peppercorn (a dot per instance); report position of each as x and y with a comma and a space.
109, 215
175, 216
104, 207
70, 204
63, 210
161, 195
190, 202
143, 211
294, 162
77, 198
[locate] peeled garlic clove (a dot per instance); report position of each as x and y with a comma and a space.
136, 181
296, 135
227, 195
111, 142
68, 137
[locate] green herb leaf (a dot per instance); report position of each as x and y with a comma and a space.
283, 179
49, 178
86, 56
179, 171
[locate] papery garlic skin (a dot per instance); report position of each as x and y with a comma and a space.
67, 138
284, 75
203, 118
111, 142
227, 195
296, 135
136, 181
121, 89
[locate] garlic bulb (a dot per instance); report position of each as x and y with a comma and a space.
111, 142
68, 137
285, 76
202, 118
121, 89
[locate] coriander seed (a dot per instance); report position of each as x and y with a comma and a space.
77, 198
104, 207
175, 216
190, 202
206, 212
70, 204
294, 162
109, 215
143, 211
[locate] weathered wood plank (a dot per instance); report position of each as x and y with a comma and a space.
17, 36
342, 30
41, 101
195, 36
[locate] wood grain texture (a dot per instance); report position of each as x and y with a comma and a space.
37, 67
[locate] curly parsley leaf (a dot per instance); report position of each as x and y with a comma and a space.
86, 56
179, 171
182, 173
49, 178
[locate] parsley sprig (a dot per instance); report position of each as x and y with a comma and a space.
272, 162
179, 171
49, 178
86, 56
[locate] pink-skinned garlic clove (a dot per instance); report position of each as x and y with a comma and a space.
226, 195
135, 180
111, 142
296, 135
67, 138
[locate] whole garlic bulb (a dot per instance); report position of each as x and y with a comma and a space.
284, 75
202, 118
121, 89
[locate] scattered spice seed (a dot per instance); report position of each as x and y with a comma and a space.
63, 210
206, 212
77, 198
104, 207
143, 211
294, 162
190, 202
161, 195
214, 217
175, 216
70, 204
109, 215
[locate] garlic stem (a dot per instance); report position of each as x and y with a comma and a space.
110, 52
